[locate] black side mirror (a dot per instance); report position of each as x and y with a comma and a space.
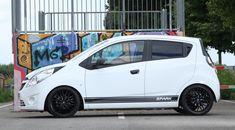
100, 62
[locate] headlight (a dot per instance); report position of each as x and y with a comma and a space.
40, 77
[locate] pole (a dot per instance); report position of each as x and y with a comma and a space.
180, 16
72, 15
123, 16
170, 14
41, 20
16, 15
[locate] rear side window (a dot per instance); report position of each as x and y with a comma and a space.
169, 49
166, 50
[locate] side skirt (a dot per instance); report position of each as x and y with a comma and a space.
133, 102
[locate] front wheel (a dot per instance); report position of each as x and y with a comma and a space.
197, 100
63, 102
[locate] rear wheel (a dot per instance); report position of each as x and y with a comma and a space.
197, 100
63, 102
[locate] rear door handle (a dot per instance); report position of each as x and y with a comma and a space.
135, 71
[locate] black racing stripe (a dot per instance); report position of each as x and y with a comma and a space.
131, 99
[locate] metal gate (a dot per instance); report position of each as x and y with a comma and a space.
50, 16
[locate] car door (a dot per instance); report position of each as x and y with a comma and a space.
116, 73
171, 65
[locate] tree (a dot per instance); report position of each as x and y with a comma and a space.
201, 22
7, 70
224, 9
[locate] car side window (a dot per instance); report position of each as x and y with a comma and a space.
120, 53
166, 50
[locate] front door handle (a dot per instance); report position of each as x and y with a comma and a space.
135, 71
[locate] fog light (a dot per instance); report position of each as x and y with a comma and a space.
31, 100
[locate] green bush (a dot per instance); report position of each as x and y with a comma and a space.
5, 95
226, 77
228, 94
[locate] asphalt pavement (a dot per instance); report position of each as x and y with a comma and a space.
221, 117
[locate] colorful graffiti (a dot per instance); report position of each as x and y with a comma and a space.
38, 50
33, 51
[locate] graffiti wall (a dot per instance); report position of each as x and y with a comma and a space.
33, 51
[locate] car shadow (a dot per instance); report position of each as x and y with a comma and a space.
114, 114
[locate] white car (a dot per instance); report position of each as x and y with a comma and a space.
138, 72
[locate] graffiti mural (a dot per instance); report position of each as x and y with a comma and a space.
38, 50
33, 51
53, 50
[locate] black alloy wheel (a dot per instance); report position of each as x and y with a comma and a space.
63, 102
197, 100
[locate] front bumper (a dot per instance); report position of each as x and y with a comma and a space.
31, 99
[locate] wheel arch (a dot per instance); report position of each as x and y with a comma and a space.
81, 107
214, 97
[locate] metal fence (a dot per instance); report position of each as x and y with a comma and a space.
37, 16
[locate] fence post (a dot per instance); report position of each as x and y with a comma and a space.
164, 19
16, 15
180, 16
41, 20
170, 15
123, 16
72, 15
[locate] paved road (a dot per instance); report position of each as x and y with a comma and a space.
222, 117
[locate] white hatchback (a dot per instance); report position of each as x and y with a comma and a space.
127, 72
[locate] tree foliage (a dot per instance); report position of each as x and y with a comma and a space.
7, 70
224, 9
203, 21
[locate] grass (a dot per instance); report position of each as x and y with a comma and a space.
5, 95
228, 94
227, 77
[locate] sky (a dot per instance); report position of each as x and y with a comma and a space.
6, 55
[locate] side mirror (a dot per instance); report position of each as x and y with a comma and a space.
100, 62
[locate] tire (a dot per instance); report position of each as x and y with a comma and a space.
180, 110
197, 100
63, 102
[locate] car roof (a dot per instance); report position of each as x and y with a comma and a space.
154, 37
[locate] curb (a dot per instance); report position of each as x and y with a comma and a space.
3, 105
229, 101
